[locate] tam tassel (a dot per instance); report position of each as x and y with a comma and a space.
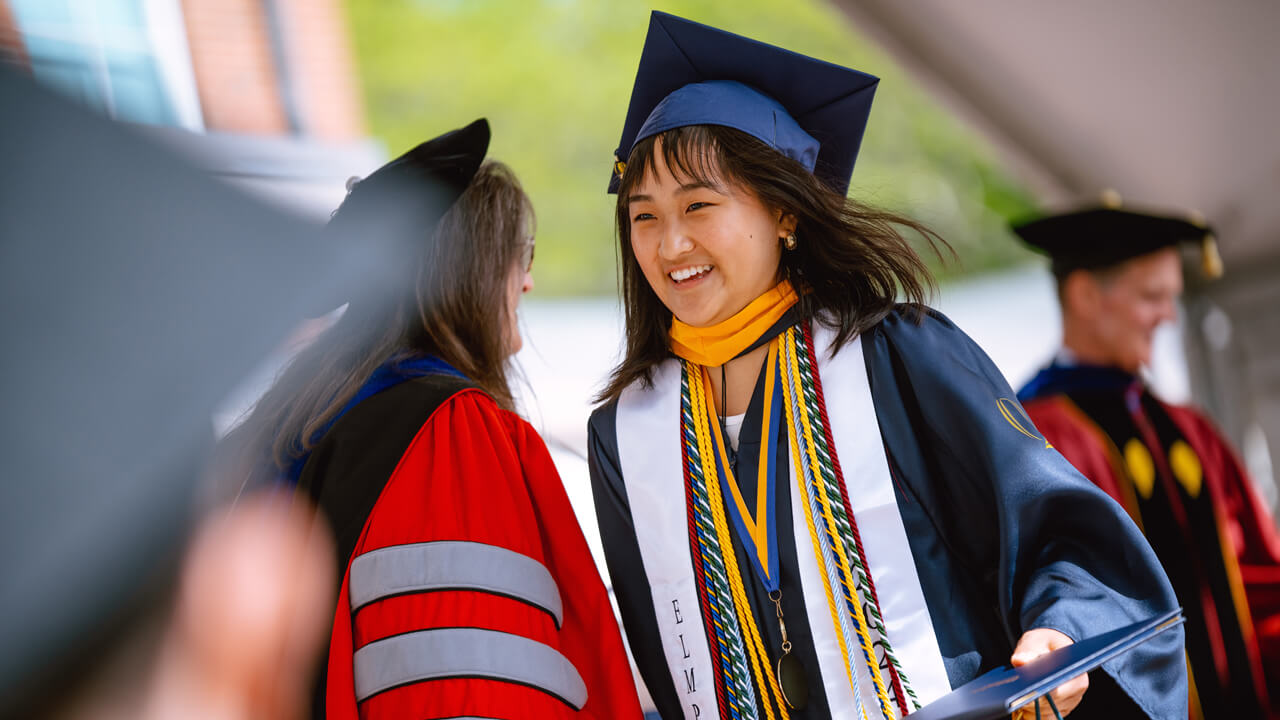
1210, 259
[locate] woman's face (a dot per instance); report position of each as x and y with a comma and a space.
519, 282
707, 250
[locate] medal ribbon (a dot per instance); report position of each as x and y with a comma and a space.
758, 530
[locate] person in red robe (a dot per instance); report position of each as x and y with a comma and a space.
467, 588
1119, 274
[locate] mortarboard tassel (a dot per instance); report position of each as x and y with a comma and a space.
1210, 260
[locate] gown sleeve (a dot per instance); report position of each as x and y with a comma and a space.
1058, 552
622, 555
471, 591
1250, 527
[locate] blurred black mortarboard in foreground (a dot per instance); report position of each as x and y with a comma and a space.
692, 74
135, 292
1099, 237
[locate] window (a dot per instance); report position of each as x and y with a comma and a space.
125, 58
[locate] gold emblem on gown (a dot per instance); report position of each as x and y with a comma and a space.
1013, 413
1186, 467
1142, 469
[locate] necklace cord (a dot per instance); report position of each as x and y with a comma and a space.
724, 404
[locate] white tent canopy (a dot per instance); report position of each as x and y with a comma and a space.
1173, 103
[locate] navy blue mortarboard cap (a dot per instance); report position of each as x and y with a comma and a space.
764, 117
692, 74
1099, 237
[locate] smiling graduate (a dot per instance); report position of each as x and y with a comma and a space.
815, 501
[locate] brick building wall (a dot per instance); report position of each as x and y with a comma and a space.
248, 84
231, 56
327, 95
11, 48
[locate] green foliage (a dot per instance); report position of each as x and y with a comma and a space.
554, 76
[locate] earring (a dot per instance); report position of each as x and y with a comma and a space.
790, 241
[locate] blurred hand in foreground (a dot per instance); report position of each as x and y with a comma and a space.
254, 602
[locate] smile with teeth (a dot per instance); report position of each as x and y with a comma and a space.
689, 272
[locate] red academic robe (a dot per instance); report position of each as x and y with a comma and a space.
465, 532
1106, 450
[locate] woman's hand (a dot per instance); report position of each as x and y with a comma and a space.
1067, 696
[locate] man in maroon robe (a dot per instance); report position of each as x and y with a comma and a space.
1119, 274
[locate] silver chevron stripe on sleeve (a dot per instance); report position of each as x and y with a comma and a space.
466, 653
453, 565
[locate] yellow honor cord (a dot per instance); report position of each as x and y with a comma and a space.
699, 388
864, 635
699, 409
845, 566
832, 607
716, 345
762, 489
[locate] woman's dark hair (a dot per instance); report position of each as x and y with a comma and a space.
852, 262
455, 308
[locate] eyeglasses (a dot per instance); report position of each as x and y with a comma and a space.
526, 255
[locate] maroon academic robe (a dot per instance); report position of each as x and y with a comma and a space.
467, 587
1184, 486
